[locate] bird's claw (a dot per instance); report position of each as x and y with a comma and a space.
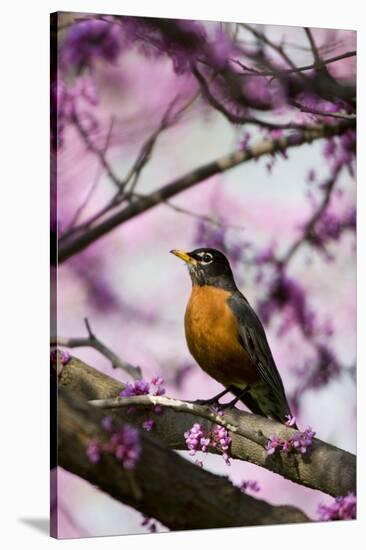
207, 402
228, 406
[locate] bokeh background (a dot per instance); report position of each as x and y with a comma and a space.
134, 292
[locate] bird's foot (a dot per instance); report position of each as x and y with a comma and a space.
207, 402
213, 401
230, 405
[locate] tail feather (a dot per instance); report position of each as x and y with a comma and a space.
248, 401
260, 400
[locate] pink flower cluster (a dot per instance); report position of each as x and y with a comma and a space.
70, 102
249, 485
150, 524
341, 508
124, 444
341, 151
299, 442
59, 356
197, 440
287, 296
88, 41
330, 227
142, 387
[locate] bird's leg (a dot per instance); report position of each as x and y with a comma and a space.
215, 399
232, 403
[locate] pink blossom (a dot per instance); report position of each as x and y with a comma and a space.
124, 444
298, 442
93, 452
342, 508
249, 485
59, 356
193, 438
107, 423
140, 387
148, 425
198, 440
87, 41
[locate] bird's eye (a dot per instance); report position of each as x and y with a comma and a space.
206, 258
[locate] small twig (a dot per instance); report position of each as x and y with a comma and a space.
281, 72
239, 118
203, 217
279, 49
95, 183
146, 150
311, 223
93, 342
311, 110
177, 405
88, 328
99, 153
123, 194
318, 64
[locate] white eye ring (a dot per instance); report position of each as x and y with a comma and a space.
204, 256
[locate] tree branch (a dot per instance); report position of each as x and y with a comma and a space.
238, 118
177, 405
93, 342
163, 485
68, 246
282, 72
339, 115
317, 59
203, 217
99, 153
325, 468
93, 187
310, 225
123, 194
276, 47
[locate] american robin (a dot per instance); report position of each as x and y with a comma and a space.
227, 339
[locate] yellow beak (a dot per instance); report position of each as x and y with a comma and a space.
184, 256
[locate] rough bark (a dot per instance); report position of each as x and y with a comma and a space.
163, 485
325, 468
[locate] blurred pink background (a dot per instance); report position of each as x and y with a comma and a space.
134, 292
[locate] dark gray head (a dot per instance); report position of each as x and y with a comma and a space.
208, 266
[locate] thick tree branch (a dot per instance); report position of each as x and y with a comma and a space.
163, 485
326, 468
77, 242
177, 405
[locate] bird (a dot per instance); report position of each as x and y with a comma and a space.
226, 337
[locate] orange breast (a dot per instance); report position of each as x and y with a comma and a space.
213, 340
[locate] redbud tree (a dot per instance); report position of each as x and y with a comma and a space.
179, 134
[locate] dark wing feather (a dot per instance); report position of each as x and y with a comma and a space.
254, 341
248, 400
